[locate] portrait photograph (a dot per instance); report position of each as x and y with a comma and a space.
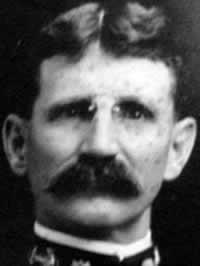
100, 143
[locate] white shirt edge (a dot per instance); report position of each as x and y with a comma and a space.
99, 247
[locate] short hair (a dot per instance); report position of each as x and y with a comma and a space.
123, 28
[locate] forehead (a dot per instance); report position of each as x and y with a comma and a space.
98, 73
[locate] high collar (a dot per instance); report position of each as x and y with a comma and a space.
121, 251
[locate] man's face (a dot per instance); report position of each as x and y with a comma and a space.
98, 142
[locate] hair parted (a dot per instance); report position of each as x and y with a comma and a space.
123, 28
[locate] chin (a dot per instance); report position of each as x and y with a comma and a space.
93, 212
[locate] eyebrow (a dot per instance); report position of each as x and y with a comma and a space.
136, 101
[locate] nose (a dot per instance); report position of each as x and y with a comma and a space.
101, 136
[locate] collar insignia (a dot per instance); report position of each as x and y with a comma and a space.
80, 263
43, 259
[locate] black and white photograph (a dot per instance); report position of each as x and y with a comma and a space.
100, 144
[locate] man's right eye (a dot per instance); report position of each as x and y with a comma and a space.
82, 110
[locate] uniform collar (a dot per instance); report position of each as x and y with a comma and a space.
122, 251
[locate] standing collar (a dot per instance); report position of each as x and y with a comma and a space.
122, 251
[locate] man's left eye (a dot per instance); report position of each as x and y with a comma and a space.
133, 110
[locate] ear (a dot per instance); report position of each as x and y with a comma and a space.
14, 133
183, 139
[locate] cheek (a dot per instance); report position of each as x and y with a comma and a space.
149, 166
47, 150
153, 165
152, 162
54, 142
147, 155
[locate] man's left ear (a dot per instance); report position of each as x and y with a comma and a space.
183, 139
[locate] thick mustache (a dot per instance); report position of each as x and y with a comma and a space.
94, 174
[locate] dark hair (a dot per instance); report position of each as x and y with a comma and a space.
123, 28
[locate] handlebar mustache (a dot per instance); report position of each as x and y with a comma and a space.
94, 175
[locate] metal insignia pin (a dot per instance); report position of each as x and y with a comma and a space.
80, 263
46, 259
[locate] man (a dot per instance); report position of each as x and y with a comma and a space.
97, 126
